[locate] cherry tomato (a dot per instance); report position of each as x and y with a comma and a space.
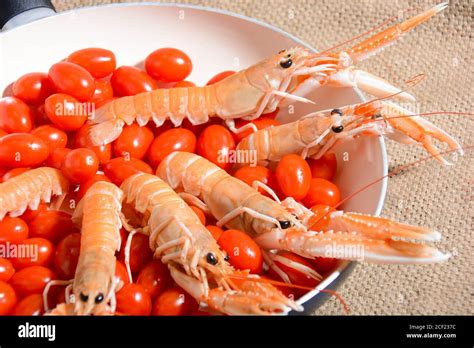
215, 143
243, 252
22, 150
325, 167
15, 115
80, 165
184, 84
249, 174
174, 301
134, 141
293, 176
13, 172
87, 184
121, 272
39, 115
44, 253
99, 62
140, 252
13, 230
322, 191
72, 79
133, 299
324, 265
215, 231
52, 225
198, 128
31, 305
154, 277
65, 111
176, 139
82, 139
128, 80
320, 220
220, 77
29, 214
8, 298
33, 88
103, 93
120, 168
56, 158
168, 65
52, 136
67, 255
200, 214
6, 270
260, 123
31, 280
2, 133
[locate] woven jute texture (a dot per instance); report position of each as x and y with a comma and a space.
429, 194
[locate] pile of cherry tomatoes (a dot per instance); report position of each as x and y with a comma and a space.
43, 123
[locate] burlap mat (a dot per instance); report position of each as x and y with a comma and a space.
429, 194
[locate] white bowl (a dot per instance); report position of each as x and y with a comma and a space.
215, 40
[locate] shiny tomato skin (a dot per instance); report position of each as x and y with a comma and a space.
44, 257
321, 218
168, 65
120, 168
13, 230
82, 139
220, 76
52, 225
31, 305
322, 191
67, 255
128, 80
174, 302
324, 265
29, 214
80, 165
133, 299
175, 139
249, 174
324, 167
134, 141
293, 176
13, 172
103, 93
87, 184
22, 150
215, 231
72, 79
121, 272
6, 270
65, 111
56, 158
154, 277
31, 280
242, 250
15, 115
8, 298
181, 84
260, 123
52, 136
99, 62
140, 253
215, 144
33, 88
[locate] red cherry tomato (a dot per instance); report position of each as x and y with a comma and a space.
13, 172
52, 225
99, 62
320, 220
33, 88
154, 277
87, 184
184, 84
8, 298
140, 253
103, 93
6, 270
72, 79
324, 265
29, 214
261, 123
22, 150
296, 277
215, 143
43, 256
174, 301
121, 272
65, 111
52, 136
322, 191
220, 77
67, 255
31, 305
325, 167
128, 80
31, 280
80, 165
249, 174
15, 115
243, 252
176, 139
39, 115
133, 299
56, 158
120, 168
215, 231
200, 214
134, 141
82, 139
13, 230
168, 65
293, 176
2, 133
